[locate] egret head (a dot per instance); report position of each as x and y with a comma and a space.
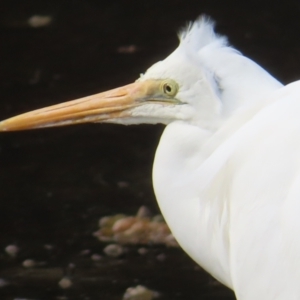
197, 87
177, 88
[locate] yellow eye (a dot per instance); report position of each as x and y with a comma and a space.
169, 87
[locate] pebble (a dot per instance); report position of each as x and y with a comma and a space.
142, 251
39, 21
65, 283
113, 250
49, 247
29, 263
12, 250
85, 252
96, 257
138, 293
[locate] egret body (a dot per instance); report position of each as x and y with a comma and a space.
227, 169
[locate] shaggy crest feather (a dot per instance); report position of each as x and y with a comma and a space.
200, 33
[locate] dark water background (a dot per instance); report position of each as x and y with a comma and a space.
56, 183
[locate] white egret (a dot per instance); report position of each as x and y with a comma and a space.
227, 169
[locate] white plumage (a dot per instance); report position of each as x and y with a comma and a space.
227, 170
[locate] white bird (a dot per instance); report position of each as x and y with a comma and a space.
227, 168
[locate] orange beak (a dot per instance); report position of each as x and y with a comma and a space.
106, 106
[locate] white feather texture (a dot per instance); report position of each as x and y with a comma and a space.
227, 177
200, 33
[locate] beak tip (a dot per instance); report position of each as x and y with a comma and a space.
2, 127
5, 126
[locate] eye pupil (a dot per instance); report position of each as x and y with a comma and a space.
168, 88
